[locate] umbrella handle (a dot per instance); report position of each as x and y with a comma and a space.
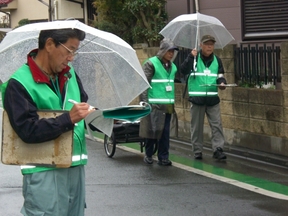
194, 65
145, 104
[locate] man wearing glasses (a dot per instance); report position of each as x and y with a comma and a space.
46, 82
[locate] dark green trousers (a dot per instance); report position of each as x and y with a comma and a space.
59, 192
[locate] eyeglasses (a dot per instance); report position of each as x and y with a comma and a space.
71, 52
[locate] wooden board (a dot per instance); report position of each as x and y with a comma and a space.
54, 153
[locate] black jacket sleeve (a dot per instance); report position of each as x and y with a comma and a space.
220, 71
187, 64
22, 112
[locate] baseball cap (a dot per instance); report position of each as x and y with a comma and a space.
206, 38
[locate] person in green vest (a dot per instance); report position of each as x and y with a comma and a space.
203, 95
155, 127
46, 82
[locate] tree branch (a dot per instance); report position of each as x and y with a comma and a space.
144, 20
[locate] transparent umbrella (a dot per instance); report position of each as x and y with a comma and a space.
108, 66
186, 30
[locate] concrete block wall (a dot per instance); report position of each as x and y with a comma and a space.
255, 119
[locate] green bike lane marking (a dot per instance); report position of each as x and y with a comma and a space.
254, 184
250, 183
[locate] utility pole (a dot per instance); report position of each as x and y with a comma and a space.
196, 6
50, 8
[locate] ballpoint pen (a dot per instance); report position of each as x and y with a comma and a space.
75, 102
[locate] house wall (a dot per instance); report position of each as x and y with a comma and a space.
176, 7
68, 9
35, 10
28, 9
227, 11
253, 119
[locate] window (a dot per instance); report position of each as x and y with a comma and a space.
264, 19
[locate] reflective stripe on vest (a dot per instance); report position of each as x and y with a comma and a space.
74, 158
162, 80
203, 74
203, 93
162, 89
79, 157
27, 167
198, 82
162, 100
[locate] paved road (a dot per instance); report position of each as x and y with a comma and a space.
124, 185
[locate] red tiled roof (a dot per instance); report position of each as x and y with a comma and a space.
5, 2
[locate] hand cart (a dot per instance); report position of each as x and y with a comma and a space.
123, 132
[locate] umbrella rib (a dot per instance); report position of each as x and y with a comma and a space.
112, 51
94, 42
112, 80
103, 68
176, 34
98, 52
19, 41
89, 41
102, 54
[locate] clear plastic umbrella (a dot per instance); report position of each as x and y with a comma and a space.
186, 30
108, 66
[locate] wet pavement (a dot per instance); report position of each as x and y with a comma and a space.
236, 166
124, 185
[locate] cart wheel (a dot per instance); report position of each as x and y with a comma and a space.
109, 145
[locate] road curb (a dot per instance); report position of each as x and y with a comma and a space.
185, 145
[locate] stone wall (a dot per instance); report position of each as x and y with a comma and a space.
254, 119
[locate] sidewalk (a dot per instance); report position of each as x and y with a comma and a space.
185, 145
245, 172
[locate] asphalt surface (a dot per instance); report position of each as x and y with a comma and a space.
124, 185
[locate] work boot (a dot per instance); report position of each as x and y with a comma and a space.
165, 162
219, 154
198, 155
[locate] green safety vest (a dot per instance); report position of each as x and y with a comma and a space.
162, 89
46, 99
196, 79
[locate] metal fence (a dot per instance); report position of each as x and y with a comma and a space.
257, 64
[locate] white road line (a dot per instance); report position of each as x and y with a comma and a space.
213, 176
219, 178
